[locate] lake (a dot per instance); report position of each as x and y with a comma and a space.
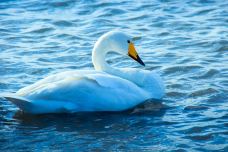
186, 42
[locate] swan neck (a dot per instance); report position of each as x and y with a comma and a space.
100, 50
99, 53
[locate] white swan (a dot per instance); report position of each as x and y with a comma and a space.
103, 89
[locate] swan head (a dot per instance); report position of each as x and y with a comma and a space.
122, 44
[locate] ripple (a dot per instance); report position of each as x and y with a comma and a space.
202, 92
203, 12
61, 4
209, 74
42, 30
182, 69
195, 130
223, 48
201, 137
63, 23
176, 94
195, 108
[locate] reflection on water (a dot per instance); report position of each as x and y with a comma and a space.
89, 121
184, 41
85, 128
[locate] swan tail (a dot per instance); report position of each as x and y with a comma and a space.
20, 102
40, 107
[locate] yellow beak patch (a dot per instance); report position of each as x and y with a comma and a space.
133, 54
131, 51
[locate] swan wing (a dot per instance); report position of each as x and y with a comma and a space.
147, 80
82, 91
61, 79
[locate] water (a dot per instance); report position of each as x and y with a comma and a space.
185, 41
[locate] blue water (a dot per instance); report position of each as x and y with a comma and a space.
185, 41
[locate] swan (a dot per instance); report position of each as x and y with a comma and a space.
104, 89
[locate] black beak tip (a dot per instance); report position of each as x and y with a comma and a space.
140, 61
143, 64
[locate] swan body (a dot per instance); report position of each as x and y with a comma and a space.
103, 89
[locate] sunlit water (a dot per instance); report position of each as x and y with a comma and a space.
185, 41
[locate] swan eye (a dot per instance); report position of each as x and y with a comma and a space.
128, 41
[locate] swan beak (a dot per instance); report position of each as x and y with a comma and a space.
133, 54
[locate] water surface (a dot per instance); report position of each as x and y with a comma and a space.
184, 41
